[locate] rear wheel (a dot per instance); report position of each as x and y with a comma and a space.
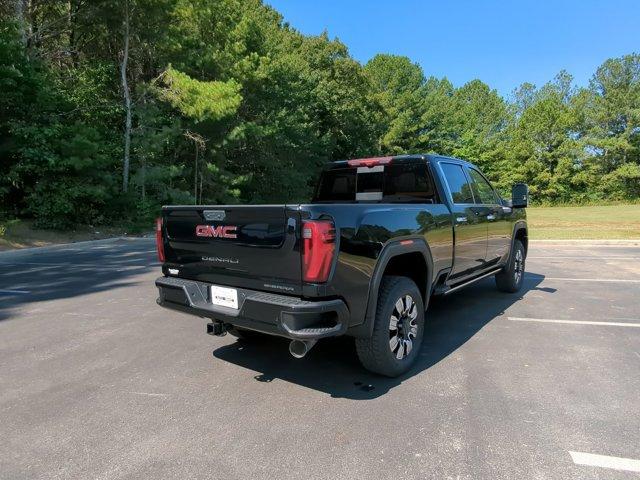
398, 329
511, 277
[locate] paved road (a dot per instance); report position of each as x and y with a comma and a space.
96, 381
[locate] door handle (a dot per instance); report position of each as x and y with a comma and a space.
461, 219
491, 216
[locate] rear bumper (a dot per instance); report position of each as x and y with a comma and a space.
265, 312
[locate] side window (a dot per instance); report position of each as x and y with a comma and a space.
409, 182
481, 188
458, 184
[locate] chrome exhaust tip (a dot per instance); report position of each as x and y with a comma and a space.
299, 348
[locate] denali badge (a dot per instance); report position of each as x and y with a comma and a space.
221, 260
221, 231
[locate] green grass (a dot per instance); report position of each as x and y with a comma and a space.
588, 222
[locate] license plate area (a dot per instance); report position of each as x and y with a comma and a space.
223, 296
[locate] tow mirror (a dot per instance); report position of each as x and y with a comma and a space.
520, 195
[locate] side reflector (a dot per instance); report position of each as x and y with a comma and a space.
369, 162
159, 241
318, 247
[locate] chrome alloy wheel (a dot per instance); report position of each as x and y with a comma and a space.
403, 327
518, 269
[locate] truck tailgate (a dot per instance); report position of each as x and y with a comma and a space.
248, 246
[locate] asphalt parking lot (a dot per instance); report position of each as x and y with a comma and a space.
97, 382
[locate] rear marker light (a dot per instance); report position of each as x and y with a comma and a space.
318, 248
159, 241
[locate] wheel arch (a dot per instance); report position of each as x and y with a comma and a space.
394, 258
521, 233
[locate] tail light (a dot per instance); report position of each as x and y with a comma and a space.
159, 242
318, 247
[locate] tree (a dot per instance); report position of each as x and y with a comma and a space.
479, 117
205, 105
127, 98
397, 83
612, 133
544, 140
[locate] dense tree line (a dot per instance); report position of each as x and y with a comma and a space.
111, 108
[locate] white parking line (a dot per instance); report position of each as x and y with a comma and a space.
151, 394
583, 257
604, 280
605, 461
575, 322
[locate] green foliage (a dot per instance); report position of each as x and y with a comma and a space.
200, 101
623, 183
232, 105
397, 84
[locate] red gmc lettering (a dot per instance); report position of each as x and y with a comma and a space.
221, 231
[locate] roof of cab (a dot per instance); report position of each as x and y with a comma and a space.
372, 161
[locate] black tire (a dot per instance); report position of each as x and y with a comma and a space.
377, 353
510, 278
244, 335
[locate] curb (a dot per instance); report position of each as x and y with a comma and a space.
583, 242
59, 246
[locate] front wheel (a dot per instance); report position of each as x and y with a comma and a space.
510, 278
398, 329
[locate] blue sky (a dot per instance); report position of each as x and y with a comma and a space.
500, 42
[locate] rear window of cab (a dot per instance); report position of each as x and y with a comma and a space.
399, 183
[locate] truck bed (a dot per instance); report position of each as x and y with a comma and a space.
265, 254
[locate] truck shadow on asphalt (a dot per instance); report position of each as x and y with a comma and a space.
332, 366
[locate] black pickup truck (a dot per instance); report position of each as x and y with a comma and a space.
381, 236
